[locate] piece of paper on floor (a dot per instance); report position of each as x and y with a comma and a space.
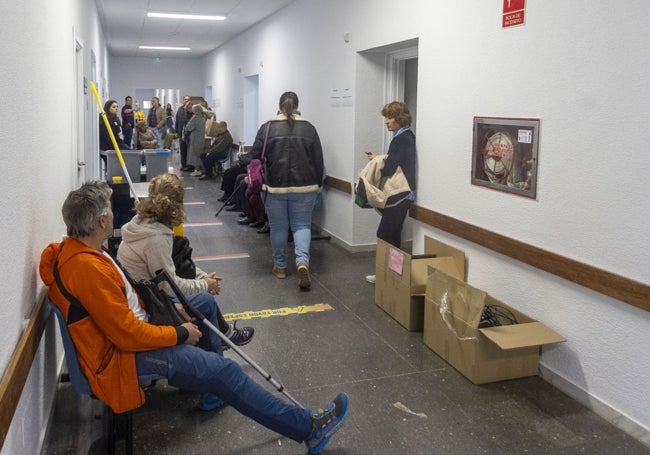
401, 407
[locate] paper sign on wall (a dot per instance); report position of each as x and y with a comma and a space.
513, 13
395, 261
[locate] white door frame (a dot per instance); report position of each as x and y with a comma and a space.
78, 128
395, 65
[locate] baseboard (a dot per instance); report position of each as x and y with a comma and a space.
604, 410
343, 244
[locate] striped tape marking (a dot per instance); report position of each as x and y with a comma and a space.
286, 311
212, 223
219, 257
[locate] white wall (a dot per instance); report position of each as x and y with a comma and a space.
131, 73
584, 71
37, 91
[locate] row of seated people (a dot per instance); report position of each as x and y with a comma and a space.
217, 148
249, 203
238, 198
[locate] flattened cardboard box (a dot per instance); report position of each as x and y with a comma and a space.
401, 278
452, 315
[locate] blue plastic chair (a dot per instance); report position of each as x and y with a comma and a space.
77, 378
120, 426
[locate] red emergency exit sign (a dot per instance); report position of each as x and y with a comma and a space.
513, 13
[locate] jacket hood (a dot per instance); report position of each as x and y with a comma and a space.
138, 229
56, 251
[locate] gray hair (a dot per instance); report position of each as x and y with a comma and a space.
83, 207
197, 109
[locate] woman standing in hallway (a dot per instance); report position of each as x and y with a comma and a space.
169, 112
402, 154
195, 136
293, 177
105, 142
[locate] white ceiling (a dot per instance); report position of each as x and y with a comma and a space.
126, 25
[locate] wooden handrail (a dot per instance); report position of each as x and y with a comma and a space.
338, 184
13, 380
607, 283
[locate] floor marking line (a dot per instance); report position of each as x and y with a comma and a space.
194, 203
219, 257
211, 223
285, 311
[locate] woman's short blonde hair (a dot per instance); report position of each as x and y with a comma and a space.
165, 201
398, 111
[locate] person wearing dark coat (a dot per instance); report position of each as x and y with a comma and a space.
105, 142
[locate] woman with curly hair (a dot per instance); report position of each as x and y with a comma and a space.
147, 245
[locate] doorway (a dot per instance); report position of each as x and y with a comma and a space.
78, 133
251, 108
384, 74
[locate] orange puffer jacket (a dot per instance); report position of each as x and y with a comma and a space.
107, 334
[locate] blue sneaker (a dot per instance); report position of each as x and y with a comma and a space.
325, 422
210, 402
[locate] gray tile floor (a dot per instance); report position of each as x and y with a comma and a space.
356, 348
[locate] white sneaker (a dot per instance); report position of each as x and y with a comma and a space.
370, 279
197, 174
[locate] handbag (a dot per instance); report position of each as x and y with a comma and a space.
255, 169
360, 195
157, 303
182, 257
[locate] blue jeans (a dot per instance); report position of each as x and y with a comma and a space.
207, 306
203, 368
291, 210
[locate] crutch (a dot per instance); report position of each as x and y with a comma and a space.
228, 201
162, 275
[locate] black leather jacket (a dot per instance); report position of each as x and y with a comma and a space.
294, 156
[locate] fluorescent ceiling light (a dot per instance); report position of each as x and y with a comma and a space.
200, 17
165, 48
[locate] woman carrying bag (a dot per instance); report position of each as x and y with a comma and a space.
293, 175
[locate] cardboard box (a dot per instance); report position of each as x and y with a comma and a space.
452, 315
401, 278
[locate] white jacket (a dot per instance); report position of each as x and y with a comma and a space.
380, 188
146, 248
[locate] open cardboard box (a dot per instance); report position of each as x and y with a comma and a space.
452, 316
401, 278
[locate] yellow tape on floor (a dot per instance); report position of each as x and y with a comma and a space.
286, 311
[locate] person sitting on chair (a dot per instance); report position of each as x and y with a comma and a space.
116, 344
144, 137
218, 151
229, 178
147, 245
